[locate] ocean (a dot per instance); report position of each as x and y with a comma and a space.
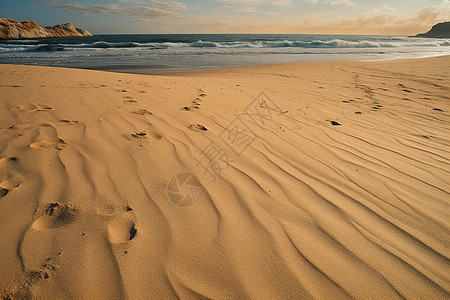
162, 53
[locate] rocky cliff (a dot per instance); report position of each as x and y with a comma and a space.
440, 30
11, 29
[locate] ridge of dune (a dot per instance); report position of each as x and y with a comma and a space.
322, 180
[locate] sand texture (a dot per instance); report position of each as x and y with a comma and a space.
299, 181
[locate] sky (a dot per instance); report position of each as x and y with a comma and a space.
397, 17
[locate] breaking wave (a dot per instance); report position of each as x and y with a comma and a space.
16, 46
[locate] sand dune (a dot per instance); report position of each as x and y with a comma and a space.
314, 180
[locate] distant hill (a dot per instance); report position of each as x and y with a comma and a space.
440, 30
10, 29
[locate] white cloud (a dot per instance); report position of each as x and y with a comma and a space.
150, 9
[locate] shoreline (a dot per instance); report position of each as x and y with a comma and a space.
175, 73
324, 180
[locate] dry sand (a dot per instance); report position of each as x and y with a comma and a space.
189, 186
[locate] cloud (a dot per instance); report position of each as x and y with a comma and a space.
157, 4
247, 9
249, 3
167, 4
150, 9
383, 20
281, 3
331, 2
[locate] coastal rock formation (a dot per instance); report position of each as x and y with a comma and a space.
440, 30
11, 29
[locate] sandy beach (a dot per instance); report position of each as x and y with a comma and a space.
324, 180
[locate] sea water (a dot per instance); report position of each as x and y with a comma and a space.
156, 53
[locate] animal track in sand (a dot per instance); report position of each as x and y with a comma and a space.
437, 109
32, 107
54, 215
57, 143
122, 228
334, 123
197, 127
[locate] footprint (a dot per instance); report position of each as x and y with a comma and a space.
122, 228
4, 161
32, 107
7, 185
56, 143
23, 288
143, 112
66, 122
139, 135
437, 109
11, 183
130, 101
197, 127
3, 192
334, 123
11, 85
54, 215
